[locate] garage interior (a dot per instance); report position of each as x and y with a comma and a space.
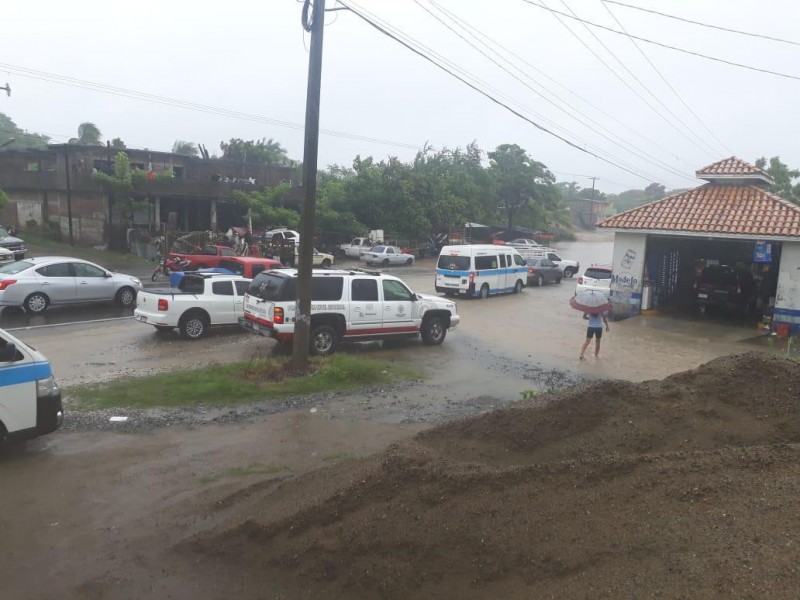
673, 265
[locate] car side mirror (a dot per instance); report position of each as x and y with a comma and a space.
8, 353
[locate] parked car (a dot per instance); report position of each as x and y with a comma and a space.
346, 306
542, 270
201, 300
12, 243
205, 257
245, 266
523, 243
357, 247
726, 287
387, 255
322, 259
596, 277
6, 256
36, 283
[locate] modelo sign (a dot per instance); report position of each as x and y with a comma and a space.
624, 282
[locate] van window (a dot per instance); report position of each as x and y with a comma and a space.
483, 263
269, 286
453, 263
503, 261
326, 288
519, 261
364, 290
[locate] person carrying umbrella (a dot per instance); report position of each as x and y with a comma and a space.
594, 305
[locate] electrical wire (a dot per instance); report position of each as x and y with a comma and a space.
166, 101
662, 45
626, 146
349, 4
703, 145
664, 79
720, 28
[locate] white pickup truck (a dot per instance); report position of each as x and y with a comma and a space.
357, 247
201, 300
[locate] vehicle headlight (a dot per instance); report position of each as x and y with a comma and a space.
46, 387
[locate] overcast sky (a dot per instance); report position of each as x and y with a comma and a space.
251, 57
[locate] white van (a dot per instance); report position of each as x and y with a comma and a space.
480, 270
30, 400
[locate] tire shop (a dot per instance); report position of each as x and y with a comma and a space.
728, 247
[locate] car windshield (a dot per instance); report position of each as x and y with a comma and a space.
718, 276
15, 267
598, 273
453, 263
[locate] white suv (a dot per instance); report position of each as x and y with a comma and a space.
346, 305
596, 277
568, 267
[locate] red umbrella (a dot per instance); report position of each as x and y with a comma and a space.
593, 302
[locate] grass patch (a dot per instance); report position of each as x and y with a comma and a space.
346, 455
237, 383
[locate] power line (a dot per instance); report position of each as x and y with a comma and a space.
664, 79
625, 146
166, 101
382, 30
466, 26
747, 33
707, 148
662, 45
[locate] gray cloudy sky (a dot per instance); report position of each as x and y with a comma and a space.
251, 57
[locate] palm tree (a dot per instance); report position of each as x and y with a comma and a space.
88, 135
185, 148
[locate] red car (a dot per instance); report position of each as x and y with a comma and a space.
205, 257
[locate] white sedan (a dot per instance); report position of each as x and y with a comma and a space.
387, 255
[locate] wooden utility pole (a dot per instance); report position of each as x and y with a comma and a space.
302, 324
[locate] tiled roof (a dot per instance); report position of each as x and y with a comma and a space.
731, 167
715, 208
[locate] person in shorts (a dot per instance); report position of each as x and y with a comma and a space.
594, 330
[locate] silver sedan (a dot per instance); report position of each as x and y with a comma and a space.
387, 255
36, 283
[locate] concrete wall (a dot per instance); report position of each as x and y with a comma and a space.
627, 269
787, 300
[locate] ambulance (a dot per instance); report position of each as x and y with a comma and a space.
30, 400
480, 270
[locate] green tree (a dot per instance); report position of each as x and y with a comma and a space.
120, 186
267, 207
12, 137
522, 183
88, 135
184, 148
783, 177
118, 143
655, 191
263, 151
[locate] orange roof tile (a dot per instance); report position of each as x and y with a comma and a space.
715, 208
730, 166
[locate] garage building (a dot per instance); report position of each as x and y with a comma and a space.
662, 249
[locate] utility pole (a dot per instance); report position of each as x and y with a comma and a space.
592, 220
7, 88
69, 194
302, 323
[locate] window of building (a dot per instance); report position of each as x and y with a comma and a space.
33, 166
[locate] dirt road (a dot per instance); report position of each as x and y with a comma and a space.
86, 514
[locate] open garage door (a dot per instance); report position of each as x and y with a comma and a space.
737, 277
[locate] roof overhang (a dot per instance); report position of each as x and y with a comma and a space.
743, 177
706, 234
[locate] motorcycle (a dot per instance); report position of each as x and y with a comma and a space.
167, 266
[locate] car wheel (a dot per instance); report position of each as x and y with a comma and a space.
518, 287
385, 262
126, 297
433, 331
540, 280
326, 264
323, 340
484, 291
569, 272
193, 326
410, 261
36, 303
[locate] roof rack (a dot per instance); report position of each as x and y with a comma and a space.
362, 270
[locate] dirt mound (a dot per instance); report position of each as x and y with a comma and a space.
686, 487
